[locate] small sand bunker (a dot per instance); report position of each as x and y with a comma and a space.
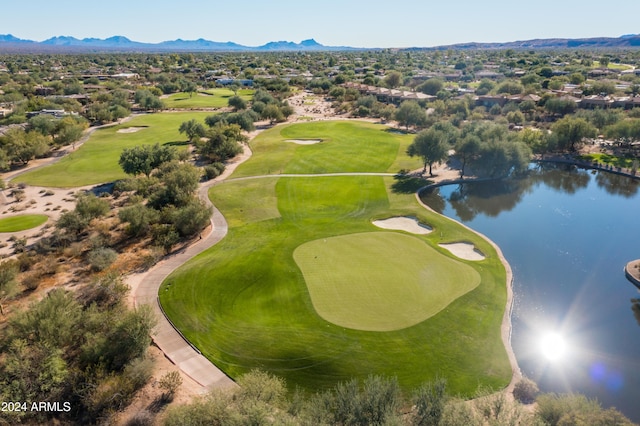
304, 141
407, 224
465, 251
130, 129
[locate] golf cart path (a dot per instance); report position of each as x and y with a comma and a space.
172, 343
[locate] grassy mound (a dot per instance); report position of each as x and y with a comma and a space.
380, 281
22, 222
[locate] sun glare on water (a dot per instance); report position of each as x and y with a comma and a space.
553, 346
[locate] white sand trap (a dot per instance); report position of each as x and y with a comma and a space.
304, 141
407, 224
465, 251
130, 129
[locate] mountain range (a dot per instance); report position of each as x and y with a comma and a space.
12, 44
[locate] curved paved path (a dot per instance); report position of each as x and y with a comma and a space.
172, 343
175, 347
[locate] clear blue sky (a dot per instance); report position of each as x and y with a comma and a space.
359, 23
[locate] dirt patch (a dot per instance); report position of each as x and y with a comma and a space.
407, 224
304, 141
466, 251
51, 202
131, 129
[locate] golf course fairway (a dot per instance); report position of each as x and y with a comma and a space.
306, 287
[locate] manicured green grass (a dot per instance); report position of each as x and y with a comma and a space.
348, 146
212, 98
380, 281
609, 159
245, 302
22, 222
96, 161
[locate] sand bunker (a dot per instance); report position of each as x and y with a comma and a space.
407, 224
130, 129
465, 251
304, 141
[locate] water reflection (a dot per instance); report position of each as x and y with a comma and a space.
567, 233
555, 176
494, 197
635, 308
618, 184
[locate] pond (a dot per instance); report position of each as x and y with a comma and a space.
567, 233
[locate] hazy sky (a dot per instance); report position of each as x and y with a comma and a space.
359, 23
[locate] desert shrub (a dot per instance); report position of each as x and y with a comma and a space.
113, 392
377, 403
107, 290
525, 391
141, 418
190, 219
31, 281
18, 194
165, 236
429, 402
213, 170
101, 258
170, 383
25, 261
19, 244
72, 223
139, 219
88, 206
8, 284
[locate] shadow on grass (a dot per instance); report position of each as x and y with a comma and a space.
396, 131
176, 143
408, 184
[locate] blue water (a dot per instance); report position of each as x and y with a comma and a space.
567, 234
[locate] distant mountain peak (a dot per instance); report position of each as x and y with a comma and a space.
118, 39
309, 42
10, 43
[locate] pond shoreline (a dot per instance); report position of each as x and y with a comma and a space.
506, 327
632, 272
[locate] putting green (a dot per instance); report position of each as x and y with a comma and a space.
22, 222
380, 281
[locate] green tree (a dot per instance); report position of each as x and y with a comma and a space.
570, 132
430, 145
237, 103
69, 130
272, 113
145, 158
22, 147
180, 182
148, 101
559, 106
393, 79
467, 148
189, 87
139, 219
431, 87
626, 131
222, 143
192, 129
191, 218
410, 113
